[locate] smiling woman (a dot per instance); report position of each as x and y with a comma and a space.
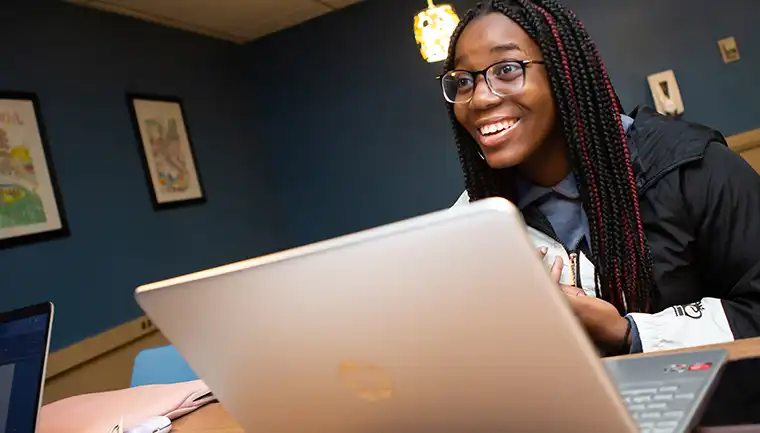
639, 212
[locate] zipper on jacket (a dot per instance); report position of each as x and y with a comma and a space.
542, 224
573, 275
574, 255
575, 264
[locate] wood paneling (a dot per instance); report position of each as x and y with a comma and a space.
747, 144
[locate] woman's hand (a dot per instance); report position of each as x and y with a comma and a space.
601, 319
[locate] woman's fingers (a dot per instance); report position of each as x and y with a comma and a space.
556, 270
572, 290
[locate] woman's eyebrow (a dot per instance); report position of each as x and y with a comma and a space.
503, 48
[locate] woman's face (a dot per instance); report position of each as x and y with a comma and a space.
529, 114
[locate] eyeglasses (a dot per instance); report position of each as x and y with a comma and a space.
503, 78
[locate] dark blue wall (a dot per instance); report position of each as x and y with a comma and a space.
357, 129
81, 62
638, 38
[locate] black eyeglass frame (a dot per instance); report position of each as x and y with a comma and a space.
523, 65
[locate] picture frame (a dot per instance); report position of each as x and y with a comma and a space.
167, 152
31, 208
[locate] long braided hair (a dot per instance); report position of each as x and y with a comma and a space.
590, 112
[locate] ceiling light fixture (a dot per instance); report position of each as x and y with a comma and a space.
432, 30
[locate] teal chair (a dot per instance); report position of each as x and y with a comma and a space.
160, 365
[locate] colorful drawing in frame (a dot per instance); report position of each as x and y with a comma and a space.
165, 145
30, 204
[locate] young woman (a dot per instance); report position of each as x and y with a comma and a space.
652, 224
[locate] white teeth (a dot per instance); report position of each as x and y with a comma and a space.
498, 126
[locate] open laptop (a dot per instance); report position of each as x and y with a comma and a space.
447, 322
24, 346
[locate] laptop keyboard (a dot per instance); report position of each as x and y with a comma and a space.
660, 408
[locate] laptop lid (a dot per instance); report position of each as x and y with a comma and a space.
24, 346
447, 322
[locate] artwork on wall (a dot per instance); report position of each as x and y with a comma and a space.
30, 206
167, 151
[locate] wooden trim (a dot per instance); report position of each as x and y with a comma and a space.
88, 349
744, 141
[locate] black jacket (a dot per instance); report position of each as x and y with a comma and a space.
700, 208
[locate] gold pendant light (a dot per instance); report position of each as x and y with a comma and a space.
432, 30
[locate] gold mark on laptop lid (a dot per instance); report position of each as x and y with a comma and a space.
369, 382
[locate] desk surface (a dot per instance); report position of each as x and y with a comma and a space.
214, 419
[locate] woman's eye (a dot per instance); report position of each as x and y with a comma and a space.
464, 82
507, 69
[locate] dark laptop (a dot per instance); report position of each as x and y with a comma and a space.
24, 345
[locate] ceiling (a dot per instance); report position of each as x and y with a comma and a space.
238, 21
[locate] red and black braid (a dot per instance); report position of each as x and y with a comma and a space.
589, 110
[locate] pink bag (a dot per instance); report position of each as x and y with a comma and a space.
99, 412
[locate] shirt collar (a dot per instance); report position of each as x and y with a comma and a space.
529, 193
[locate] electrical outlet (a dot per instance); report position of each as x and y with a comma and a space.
729, 50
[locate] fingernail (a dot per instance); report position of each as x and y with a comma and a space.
543, 250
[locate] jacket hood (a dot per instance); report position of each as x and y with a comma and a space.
660, 144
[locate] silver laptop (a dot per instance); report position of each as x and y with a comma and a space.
446, 322
24, 347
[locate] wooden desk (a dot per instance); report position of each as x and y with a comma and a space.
208, 419
214, 419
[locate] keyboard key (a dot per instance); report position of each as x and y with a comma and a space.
663, 397
638, 391
652, 406
686, 396
671, 388
650, 415
662, 430
673, 414
667, 424
636, 407
642, 399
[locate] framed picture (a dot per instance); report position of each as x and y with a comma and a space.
30, 203
164, 142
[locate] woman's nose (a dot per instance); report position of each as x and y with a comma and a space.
482, 96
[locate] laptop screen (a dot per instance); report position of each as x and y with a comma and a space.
23, 352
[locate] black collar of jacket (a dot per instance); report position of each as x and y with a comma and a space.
660, 144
